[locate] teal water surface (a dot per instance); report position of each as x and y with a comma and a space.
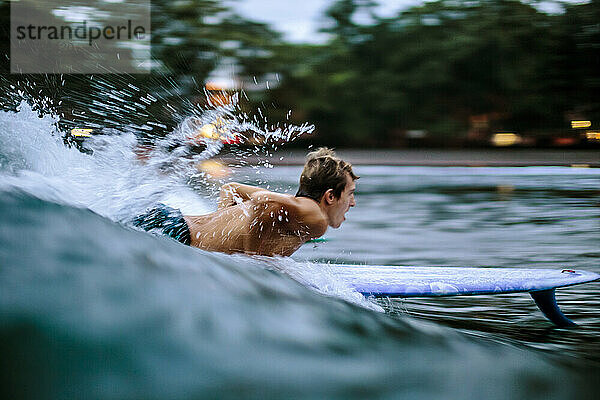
91, 308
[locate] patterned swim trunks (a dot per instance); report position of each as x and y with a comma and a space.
165, 220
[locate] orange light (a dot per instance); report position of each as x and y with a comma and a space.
214, 169
213, 86
592, 135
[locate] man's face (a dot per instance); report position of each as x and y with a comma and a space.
340, 206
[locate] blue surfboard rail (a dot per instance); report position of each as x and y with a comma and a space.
405, 281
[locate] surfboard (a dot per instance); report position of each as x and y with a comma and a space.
399, 281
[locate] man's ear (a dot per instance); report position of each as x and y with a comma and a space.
329, 196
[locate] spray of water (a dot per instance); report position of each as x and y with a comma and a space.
111, 178
137, 159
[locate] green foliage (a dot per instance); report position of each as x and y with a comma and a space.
189, 40
429, 67
433, 66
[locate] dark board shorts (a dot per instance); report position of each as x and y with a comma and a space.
164, 220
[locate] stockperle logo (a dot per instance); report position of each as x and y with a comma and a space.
58, 36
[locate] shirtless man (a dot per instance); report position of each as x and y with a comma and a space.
256, 221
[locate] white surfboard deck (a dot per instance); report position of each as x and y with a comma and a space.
399, 281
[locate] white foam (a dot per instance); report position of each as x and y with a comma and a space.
111, 182
320, 278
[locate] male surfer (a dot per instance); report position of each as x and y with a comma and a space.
256, 221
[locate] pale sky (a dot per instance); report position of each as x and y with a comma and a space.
300, 20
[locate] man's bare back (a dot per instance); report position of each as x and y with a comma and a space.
264, 223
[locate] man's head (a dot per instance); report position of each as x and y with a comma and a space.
330, 182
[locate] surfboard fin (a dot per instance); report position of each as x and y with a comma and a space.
546, 302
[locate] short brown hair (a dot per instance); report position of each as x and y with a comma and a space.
322, 171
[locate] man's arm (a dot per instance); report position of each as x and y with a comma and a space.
233, 193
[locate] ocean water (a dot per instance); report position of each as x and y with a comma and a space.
91, 308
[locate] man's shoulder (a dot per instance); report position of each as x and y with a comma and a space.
307, 205
311, 214
301, 206
297, 210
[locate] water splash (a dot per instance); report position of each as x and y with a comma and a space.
319, 277
140, 156
120, 174
110, 182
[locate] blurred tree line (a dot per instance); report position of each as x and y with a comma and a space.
190, 38
439, 66
442, 67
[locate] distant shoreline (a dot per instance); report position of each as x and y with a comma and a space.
448, 158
